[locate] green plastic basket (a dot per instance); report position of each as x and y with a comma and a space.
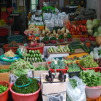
16, 38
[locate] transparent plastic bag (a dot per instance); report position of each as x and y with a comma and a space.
78, 93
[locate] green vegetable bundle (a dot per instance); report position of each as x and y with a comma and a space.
20, 67
60, 65
3, 88
91, 78
73, 82
33, 56
73, 67
19, 86
88, 62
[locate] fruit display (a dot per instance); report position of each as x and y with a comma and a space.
59, 49
33, 56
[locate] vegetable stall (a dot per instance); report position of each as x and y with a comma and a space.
60, 62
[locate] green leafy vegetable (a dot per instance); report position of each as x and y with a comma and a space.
20, 67
23, 80
91, 78
88, 62
3, 88
73, 82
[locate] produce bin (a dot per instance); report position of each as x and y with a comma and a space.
74, 73
41, 49
71, 74
96, 69
16, 38
25, 97
37, 74
7, 48
57, 70
4, 95
93, 92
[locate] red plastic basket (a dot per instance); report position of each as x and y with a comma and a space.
41, 49
57, 70
93, 68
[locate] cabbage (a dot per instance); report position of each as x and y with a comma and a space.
90, 31
99, 29
89, 22
96, 22
95, 34
89, 27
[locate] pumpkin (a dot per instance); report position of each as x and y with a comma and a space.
98, 40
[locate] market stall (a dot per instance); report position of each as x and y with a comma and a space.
59, 60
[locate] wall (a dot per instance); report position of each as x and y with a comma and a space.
91, 4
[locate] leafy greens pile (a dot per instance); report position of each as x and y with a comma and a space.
20, 67
73, 83
88, 62
23, 80
91, 78
3, 88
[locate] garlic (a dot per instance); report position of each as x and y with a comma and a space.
67, 31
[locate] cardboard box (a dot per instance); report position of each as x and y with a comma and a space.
37, 74
4, 66
5, 76
56, 87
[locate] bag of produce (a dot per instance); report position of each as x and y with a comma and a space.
76, 90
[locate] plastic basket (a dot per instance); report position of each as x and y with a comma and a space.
7, 48
57, 70
16, 38
97, 99
71, 74
4, 95
41, 49
96, 69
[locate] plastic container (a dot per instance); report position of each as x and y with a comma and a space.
96, 99
57, 70
25, 97
41, 49
93, 92
71, 74
3, 32
83, 39
16, 38
69, 39
96, 69
4, 95
53, 41
7, 48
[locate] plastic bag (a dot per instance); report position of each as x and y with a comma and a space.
78, 93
